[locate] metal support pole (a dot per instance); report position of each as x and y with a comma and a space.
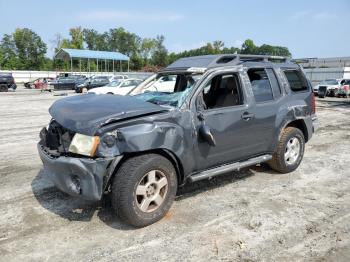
105, 65
113, 66
121, 69
89, 65
128, 65
71, 65
80, 66
97, 65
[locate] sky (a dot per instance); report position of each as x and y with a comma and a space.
308, 28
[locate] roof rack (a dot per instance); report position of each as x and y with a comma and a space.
252, 58
210, 61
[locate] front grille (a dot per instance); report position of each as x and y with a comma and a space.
58, 138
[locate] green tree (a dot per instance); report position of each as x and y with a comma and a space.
9, 58
24, 49
123, 41
94, 40
248, 47
160, 55
273, 50
218, 46
148, 47
77, 38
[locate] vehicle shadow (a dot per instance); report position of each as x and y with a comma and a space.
72, 208
75, 209
192, 189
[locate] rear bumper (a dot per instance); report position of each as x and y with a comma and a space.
315, 123
81, 177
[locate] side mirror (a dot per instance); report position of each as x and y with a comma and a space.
204, 132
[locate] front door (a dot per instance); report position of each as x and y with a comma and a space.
223, 107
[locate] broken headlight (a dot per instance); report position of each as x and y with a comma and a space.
84, 145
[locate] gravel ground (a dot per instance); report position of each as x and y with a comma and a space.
252, 215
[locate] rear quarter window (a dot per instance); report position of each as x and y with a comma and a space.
297, 82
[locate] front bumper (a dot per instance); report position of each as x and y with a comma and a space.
82, 177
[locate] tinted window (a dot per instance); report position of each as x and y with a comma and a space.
222, 91
296, 81
260, 84
274, 83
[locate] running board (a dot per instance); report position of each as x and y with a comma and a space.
227, 168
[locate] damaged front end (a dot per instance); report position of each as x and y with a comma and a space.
75, 174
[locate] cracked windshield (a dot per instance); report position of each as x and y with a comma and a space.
169, 90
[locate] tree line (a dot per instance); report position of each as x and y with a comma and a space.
25, 50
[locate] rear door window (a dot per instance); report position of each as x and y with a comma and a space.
260, 84
297, 82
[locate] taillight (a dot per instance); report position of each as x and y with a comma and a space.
313, 103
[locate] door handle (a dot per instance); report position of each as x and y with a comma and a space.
247, 116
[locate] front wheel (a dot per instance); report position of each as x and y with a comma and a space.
144, 189
289, 151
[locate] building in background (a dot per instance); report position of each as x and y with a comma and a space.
319, 69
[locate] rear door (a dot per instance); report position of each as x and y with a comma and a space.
267, 96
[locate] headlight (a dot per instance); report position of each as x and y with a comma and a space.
84, 145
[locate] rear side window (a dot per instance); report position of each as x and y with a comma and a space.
296, 80
260, 84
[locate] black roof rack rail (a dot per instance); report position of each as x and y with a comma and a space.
211, 61
240, 58
264, 58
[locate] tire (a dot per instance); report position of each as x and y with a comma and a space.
283, 162
4, 88
110, 93
135, 174
84, 90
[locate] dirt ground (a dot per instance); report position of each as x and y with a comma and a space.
252, 215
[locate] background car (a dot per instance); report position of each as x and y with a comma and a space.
154, 84
344, 89
69, 82
7, 81
117, 77
332, 86
93, 82
41, 83
119, 87
37, 83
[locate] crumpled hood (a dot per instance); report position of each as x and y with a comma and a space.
86, 113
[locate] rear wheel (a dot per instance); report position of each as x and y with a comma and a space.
289, 151
84, 90
144, 189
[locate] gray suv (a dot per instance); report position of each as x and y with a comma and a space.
225, 112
